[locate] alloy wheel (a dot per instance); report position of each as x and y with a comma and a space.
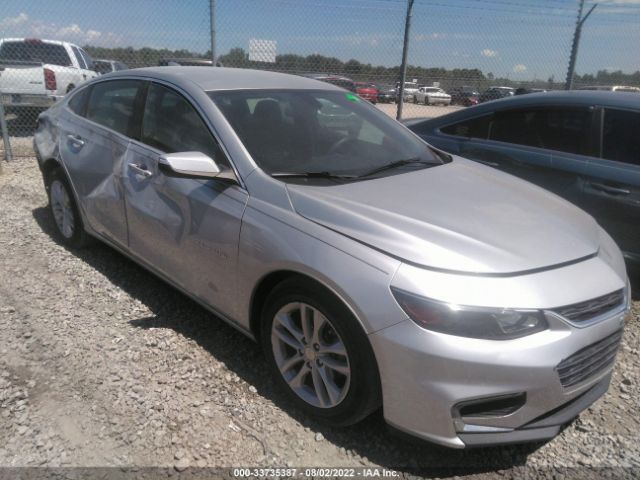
310, 355
62, 210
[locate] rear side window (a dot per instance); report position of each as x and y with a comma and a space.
81, 61
87, 59
561, 129
621, 136
112, 104
474, 128
171, 124
78, 102
35, 51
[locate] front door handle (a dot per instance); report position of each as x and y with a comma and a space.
140, 170
76, 140
610, 189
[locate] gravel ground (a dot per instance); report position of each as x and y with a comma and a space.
102, 364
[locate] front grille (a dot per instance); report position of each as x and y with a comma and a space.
589, 361
584, 311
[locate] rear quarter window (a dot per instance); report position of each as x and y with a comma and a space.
620, 136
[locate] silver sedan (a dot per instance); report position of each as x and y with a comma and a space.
375, 270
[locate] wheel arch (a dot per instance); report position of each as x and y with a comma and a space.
272, 279
47, 167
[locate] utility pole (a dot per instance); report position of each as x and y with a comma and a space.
212, 11
403, 66
576, 43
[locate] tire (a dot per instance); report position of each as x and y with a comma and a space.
426, 100
356, 388
415, 99
68, 224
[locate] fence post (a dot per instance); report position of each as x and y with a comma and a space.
8, 154
212, 11
576, 43
403, 66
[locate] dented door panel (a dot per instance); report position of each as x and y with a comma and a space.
92, 156
186, 228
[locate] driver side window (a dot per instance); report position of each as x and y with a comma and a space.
171, 124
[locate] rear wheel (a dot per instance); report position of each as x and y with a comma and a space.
426, 100
66, 216
319, 354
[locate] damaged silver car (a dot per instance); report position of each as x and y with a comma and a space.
375, 270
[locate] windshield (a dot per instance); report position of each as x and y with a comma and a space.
335, 132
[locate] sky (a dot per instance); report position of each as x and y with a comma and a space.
518, 39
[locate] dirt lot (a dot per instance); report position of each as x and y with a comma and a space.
411, 110
102, 364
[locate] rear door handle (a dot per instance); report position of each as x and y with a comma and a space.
610, 189
140, 170
76, 140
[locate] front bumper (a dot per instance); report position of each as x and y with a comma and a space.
426, 376
28, 100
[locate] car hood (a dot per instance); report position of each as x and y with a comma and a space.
460, 216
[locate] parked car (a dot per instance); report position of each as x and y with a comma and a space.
338, 80
368, 91
107, 66
466, 96
432, 96
580, 145
374, 269
525, 90
495, 93
612, 88
387, 94
410, 89
36, 73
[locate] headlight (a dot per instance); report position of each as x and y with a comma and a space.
485, 323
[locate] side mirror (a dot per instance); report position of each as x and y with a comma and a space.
191, 164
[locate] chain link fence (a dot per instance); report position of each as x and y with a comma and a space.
459, 51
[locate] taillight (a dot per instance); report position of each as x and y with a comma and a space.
50, 79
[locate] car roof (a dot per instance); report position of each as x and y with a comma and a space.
558, 98
222, 78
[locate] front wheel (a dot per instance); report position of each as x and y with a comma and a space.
319, 354
426, 100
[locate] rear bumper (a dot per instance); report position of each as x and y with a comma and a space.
17, 100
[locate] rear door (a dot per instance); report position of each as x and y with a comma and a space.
186, 228
612, 190
94, 135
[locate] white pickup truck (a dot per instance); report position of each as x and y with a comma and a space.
37, 73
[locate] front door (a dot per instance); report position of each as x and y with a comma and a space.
186, 228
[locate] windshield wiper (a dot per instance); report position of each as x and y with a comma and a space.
392, 165
312, 175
